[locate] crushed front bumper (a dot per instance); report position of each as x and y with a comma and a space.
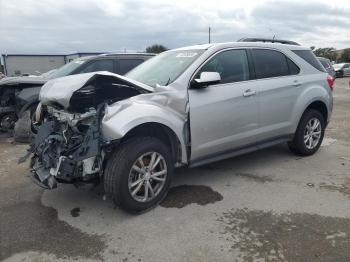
57, 158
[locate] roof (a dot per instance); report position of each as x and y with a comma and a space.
322, 58
126, 54
268, 40
242, 44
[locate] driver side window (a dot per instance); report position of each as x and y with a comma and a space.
232, 65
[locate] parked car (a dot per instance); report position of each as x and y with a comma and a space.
2, 75
20, 94
185, 107
328, 66
342, 69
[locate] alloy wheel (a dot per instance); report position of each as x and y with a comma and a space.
312, 133
147, 177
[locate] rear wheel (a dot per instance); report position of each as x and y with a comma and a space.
138, 174
309, 135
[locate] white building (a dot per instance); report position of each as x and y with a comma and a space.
35, 64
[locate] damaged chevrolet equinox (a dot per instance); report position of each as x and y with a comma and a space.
185, 107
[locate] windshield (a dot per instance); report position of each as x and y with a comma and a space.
48, 73
67, 69
163, 69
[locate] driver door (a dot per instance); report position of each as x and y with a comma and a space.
224, 116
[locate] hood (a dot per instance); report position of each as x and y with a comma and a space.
94, 86
23, 80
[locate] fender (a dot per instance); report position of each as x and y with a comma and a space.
27, 106
306, 98
121, 118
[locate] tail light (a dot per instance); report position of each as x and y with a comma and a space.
330, 81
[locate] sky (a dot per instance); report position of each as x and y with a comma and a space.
67, 26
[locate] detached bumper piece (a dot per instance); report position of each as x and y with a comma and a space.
43, 179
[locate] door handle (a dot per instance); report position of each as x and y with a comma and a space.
296, 84
249, 93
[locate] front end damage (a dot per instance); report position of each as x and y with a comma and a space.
69, 146
68, 149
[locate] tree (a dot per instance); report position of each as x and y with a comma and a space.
345, 56
156, 49
327, 52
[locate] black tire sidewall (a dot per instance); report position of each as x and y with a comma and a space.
32, 111
131, 151
298, 142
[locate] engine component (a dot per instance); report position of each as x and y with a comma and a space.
67, 148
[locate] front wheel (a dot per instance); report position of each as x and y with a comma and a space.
309, 135
138, 174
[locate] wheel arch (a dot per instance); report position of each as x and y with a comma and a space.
319, 106
316, 97
159, 131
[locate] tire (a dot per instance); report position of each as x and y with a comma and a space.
22, 129
34, 128
306, 148
119, 174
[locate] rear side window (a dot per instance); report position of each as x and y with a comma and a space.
125, 65
309, 57
293, 68
98, 65
270, 63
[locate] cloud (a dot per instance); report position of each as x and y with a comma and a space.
63, 26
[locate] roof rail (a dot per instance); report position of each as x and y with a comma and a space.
269, 40
128, 53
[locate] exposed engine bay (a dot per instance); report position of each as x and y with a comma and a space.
69, 146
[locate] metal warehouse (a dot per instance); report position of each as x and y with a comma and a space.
35, 64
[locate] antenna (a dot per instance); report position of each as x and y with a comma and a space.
209, 34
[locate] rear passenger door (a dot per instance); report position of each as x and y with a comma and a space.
278, 85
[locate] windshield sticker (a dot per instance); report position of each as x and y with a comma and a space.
187, 54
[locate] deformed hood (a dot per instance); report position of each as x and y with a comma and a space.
61, 90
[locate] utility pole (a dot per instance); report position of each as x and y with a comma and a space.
209, 34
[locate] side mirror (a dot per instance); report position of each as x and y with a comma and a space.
206, 79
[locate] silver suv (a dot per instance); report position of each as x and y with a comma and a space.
185, 107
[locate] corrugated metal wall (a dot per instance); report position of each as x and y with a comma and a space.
27, 64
